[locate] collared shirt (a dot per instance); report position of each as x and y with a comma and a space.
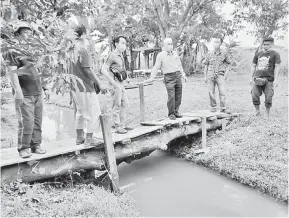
218, 63
115, 60
169, 62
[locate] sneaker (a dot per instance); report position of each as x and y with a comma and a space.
38, 150
226, 111
25, 153
172, 117
128, 128
213, 110
121, 131
177, 115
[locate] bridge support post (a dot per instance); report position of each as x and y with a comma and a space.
204, 132
109, 152
141, 97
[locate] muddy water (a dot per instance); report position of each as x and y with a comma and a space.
165, 185
168, 186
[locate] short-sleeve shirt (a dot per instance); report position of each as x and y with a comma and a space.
115, 61
217, 63
265, 64
169, 62
29, 79
77, 69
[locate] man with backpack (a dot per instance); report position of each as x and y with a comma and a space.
114, 71
265, 72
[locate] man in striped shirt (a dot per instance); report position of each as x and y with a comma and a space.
168, 61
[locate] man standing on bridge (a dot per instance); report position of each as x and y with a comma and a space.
265, 72
215, 73
86, 100
169, 62
27, 92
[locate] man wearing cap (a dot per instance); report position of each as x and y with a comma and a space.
265, 71
169, 62
27, 90
215, 72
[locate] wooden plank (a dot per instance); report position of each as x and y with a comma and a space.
142, 104
167, 121
10, 156
136, 132
204, 132
109, 152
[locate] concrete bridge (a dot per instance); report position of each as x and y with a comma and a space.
112, 149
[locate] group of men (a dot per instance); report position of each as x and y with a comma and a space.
28, 98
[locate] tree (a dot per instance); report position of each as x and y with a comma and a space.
269, 17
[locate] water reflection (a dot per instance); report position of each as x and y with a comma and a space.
58, 123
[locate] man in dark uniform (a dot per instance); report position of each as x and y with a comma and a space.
28, 97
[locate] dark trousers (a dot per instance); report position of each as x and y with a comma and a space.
29, 115
257, 91
173, 82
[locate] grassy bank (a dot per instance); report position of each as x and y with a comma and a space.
79, 201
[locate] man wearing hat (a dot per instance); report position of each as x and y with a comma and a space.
215, 73
28, 97
265, 72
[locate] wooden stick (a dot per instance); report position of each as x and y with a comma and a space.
141, 97
204, 132
109, 152
224, 123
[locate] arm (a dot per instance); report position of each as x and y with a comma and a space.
12, 71
277, 69
253, 68
206, 63
156, 67
105, 70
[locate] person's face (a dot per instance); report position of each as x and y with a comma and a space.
267, 45
216, 43
121, 45
168, 45
25, 34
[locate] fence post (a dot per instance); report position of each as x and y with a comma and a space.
141, 97
109, 152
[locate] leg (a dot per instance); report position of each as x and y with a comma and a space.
256, 93
211, 88
93, 120
124, 107
178, 93
37, 131
117, 94
269, 92
25, 115
222, 91
170, 82
79, 118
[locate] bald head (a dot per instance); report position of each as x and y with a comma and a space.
168, 44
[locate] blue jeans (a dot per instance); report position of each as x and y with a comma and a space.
220, 82
29, 115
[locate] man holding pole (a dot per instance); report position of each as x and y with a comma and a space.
169, 62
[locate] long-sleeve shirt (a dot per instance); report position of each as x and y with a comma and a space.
168, 62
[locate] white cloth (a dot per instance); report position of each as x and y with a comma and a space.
87, 111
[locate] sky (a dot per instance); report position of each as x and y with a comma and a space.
245, 39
